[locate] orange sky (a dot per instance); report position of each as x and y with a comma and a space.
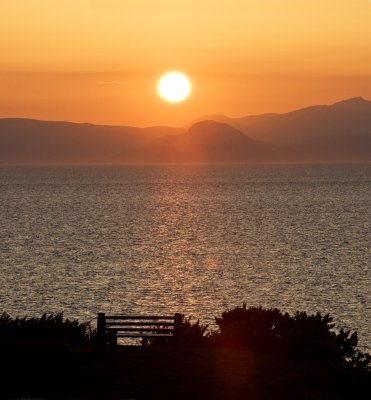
99, 60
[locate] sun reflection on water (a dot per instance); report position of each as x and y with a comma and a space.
187, 238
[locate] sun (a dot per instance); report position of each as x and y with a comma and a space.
174, 87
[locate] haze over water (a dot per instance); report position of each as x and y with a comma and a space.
191, 239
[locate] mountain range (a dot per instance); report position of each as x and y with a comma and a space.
340, 132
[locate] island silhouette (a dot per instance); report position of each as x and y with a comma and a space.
340, 132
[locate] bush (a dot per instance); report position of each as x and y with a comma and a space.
190, 334
302, 336
254, 328
52, 327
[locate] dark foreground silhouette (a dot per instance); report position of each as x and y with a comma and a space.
255, 354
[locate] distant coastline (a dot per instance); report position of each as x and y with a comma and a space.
339, 133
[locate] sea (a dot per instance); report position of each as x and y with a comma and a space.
194, 239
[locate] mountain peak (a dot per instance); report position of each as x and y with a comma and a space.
352, 102
213, 128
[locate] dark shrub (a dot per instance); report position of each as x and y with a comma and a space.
253, 328
52, 327
302, 336
190, 334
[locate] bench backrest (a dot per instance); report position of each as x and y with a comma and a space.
111, 327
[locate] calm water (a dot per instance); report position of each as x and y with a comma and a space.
193, 239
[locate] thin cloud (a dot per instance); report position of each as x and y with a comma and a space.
108, 82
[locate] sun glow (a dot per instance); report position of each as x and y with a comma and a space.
174, 87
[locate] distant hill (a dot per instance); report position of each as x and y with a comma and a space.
30, 141
341, 131
208, 141
336, 133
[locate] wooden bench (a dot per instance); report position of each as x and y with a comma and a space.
110, 328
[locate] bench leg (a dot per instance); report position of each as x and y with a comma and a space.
113, 340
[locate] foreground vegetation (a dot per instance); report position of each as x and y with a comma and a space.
256, 353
